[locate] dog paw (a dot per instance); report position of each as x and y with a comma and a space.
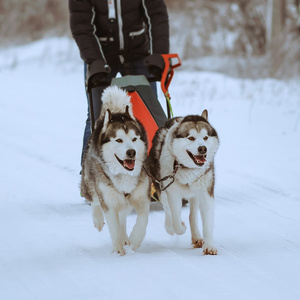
120, 251
134, 245
210, 251
127, 242
98, 225
180, 229
169, 229
197, 243
98, 218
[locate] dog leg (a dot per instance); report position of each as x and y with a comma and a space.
197, 239
112, 218
168, 216
123, 220
97, 213
139, 230
175, 203
207, 208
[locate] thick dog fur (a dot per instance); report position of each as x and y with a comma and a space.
113, 179
185, 148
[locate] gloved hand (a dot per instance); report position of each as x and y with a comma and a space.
155, 65
97, 74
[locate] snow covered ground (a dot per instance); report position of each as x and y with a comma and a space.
49, 248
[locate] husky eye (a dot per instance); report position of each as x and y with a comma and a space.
191, 138
134, 139
205, 138
119, 141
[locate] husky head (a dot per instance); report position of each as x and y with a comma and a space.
123, 143
194, 141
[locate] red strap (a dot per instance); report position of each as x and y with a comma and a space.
141, 112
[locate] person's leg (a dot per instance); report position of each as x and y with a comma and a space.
87, 129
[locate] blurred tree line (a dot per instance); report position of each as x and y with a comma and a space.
198, 27
23, 21
263, 34
237, 26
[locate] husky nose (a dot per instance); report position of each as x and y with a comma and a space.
202, 149
131, 153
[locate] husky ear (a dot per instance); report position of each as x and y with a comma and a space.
129, 113
205, 115
107, 119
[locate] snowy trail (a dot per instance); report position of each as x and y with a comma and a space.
49, 248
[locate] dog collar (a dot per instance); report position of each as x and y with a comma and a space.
176, 165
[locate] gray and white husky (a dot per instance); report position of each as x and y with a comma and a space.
181, 162
113, 178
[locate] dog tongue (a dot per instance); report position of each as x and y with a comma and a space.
129, 164
200, 159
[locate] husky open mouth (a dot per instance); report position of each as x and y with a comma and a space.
127, 164
199, 160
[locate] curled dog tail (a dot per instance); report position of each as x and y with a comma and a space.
116, 100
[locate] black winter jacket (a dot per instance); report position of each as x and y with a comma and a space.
119, 30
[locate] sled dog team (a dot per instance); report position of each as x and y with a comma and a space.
117, 173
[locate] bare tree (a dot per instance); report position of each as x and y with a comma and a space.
276, 12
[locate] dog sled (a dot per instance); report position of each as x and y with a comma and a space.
145, 105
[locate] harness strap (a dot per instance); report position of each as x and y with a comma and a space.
160, 181
175, 169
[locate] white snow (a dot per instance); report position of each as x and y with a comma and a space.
49, 248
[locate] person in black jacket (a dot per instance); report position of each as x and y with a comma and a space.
114, 36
